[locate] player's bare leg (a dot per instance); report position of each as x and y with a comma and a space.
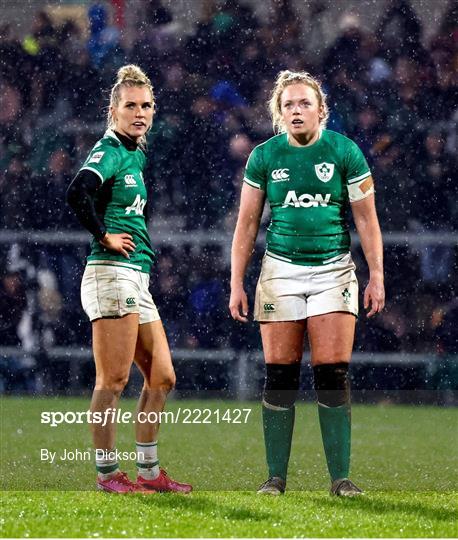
152, 356
283, 344
114, 346
331, 339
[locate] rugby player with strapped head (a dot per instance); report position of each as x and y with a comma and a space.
309, 175
108, 195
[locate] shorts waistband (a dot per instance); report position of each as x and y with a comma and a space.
325, 262
115, 263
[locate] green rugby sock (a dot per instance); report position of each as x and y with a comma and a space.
278, 424
335, 423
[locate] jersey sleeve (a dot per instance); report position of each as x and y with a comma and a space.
358, 175
255, 170
103, 160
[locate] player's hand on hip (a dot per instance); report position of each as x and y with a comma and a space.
238, 305
121, 243
374, 295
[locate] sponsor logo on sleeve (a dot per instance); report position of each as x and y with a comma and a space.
96, 157
269, 307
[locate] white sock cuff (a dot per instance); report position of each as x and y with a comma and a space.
275, 407
146, 444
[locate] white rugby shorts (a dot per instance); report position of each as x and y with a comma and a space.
115, 291
291, 292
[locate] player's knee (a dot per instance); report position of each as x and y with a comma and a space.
168, 381
274, 357
281, 384
164, 381
332, 385
114, 383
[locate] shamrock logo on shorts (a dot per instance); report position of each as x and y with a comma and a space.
346, 296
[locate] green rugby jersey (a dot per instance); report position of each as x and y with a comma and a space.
307, 189
120, 201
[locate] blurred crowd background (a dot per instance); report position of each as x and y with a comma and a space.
391, 90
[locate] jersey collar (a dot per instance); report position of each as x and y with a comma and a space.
320, 133
125, 141
110, 133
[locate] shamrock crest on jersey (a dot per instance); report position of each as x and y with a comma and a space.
324, 171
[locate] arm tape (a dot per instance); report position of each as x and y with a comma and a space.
360, 190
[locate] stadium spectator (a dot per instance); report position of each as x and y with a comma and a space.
445, 377
104, 45
204, 157
15, 377
12, 55
399, 30
171, 285
13, 302
433, 205
206, 300
157, 14
10, 122
43, 34
83, 86
49, 191
46, 63
445, 329
435, 174
240, 146
347, 50
16, 193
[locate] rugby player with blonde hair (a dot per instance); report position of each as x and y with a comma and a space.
309, 175
109, 196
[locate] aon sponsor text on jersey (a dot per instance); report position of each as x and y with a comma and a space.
306, 200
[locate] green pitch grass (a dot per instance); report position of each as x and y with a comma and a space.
404, 457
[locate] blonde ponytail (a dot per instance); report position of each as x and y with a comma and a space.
134, 74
